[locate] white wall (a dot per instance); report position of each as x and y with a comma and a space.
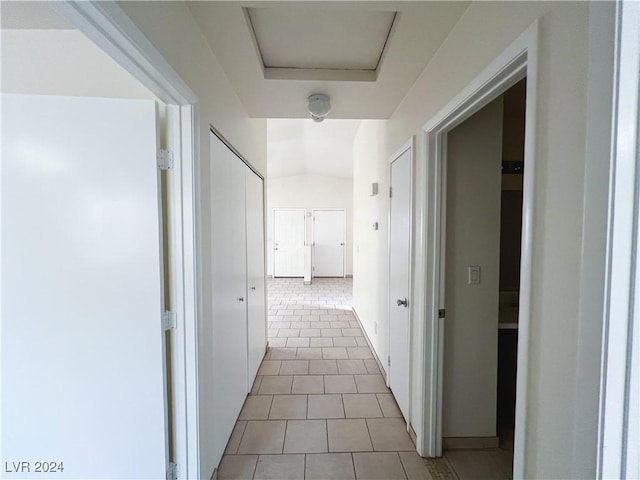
63, 62
474, 160
576, 43
172, 30
310, 192
370, 257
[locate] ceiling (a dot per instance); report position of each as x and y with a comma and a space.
297, 147
365, 55
32, 16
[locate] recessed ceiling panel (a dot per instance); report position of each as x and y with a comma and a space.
320, 39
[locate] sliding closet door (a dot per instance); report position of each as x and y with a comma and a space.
228, 236
257, 320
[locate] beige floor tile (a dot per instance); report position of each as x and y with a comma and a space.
256, 407
370, 384
322, 342
282, 353
344, 342
334, 353
269, 367
285, 407
320, 324
472, 464
280, 467
378, 466
310, 332
388, 405
263, 437
414, 466
350, 332
358, 352
372, 366
237, 467
325, 406
272, 332
331, 332
306, 436
297, 342
339, 384
328, 367
350, 367
300, 325
329, 466
236, 436
340, 324
354, 324
289, 332
348, 436
256, 384
280, 325
277, 342
304, 384
294, 367
389, 434
362, 342
276, 385
310, 353
361, 405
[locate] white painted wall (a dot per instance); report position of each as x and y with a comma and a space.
473, 238
310, 192
576, 44
171, 28
370, 249
63, 62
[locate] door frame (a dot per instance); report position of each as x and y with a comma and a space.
409, 145
109, 27
344, 238
617, 455
273, 219
517, 61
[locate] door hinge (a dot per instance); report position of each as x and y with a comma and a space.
388, 360
172, 471
169, 320
165, 159
390, 192
441, 313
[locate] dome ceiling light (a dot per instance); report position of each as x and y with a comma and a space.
319, 106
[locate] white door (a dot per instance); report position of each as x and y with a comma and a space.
256, 320
228, 242
82, 345
328, 243
288, 242
399, 271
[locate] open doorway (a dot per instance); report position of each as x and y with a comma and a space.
485, 166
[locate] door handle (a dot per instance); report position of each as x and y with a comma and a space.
403, 302
241, 299
253, 288
342, 244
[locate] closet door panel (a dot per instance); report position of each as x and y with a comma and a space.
228, 236
257, 321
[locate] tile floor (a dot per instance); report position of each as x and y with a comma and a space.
319, 408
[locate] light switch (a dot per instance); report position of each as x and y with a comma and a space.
473, 275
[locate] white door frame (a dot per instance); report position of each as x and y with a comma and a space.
344, 236
273, 225
518, 60
409, 145
108, 26
618, 450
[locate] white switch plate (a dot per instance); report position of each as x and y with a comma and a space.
473, 275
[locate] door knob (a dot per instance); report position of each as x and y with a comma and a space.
403, 302
253, 288
241, 299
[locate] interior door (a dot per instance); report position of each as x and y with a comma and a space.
288, 242
328, 243
256, 294
399, 280
83, 383
228, 238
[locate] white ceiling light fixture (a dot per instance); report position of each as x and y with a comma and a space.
319, 106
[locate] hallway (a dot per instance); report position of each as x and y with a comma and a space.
319, 408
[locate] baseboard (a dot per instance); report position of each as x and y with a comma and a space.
466, 443
412, 434
349, 275
373, 351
